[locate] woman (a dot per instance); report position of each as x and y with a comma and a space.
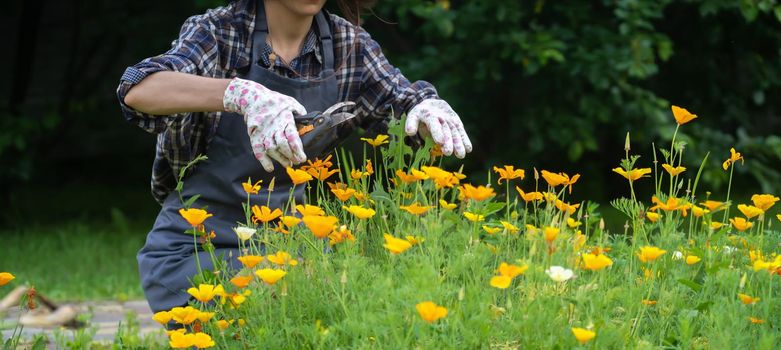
229, 88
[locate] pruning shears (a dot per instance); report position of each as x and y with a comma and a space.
319, 131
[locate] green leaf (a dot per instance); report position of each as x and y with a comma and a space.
691, 284
190, 200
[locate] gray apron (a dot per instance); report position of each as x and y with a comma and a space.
167, 262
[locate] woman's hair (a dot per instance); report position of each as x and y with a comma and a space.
351, 9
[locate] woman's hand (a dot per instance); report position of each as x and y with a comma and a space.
270, 125
442, 123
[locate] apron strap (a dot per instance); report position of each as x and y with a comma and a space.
261, 31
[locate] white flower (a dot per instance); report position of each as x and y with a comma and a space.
244, 233
559, 274
729, 249
677, 255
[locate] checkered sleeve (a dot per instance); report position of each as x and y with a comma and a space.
195, 51
383, 88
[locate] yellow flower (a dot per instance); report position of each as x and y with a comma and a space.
583, 335
764, 201
509, 227
307, 210
369, 167
508, 173
321, 226
649, 253
414, 175
653, 217
755, 320
241, 281
249, 261
549, 196
692, 259
648, 302
746, 299
195, 217
340, 235
674, 171
750, 211
741, 224
250, 188
223, 324
360, 212
479, 193
733, 157
682, 116
569, 208
264, 214
356, 174
778, 216
560, 179
282, 258
550, 233
396, 245
528, 197
205, 292
289, 221
698, 211
162, 317
491, 230
270, 276
185, 315
343, 194
511, 270
415, 208
430, 312
633, 174
377, 141
713, 205
596, 262
298, 176
501, 281
716, 225
320, 173
671, 204
572, 223
447, 206
473, 217
180, 340
415, 239
6, 277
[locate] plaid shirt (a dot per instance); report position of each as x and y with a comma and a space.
217, 44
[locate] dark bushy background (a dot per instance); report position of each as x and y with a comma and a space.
551, 84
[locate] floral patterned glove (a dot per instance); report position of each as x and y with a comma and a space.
442, 123
270, 125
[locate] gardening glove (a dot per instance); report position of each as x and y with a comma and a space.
442, 123
270, 124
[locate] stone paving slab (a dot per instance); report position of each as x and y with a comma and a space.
102, 317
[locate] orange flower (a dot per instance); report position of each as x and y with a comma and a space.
756, 320
298, 176
282, 258
649, 253
369, 167
195, 217
479, 193
569, 208
340, 235
343, 194
634, 174
733, 157
250, 188
270, 276
318, 163
356, 174
682, 116
321, 173
430, 312
746, 299
320, 226
249, 261
699, 212
648, 302
750, 211
307, 210
741, 224
6, 277
241, 281
764, 201
508, 173
289, 221
510, 270
550, 233
528, 197
377, 141
713, 205
337, 185
674, 171
264, 214
414, 175
396, 245
415, 208
560, 179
